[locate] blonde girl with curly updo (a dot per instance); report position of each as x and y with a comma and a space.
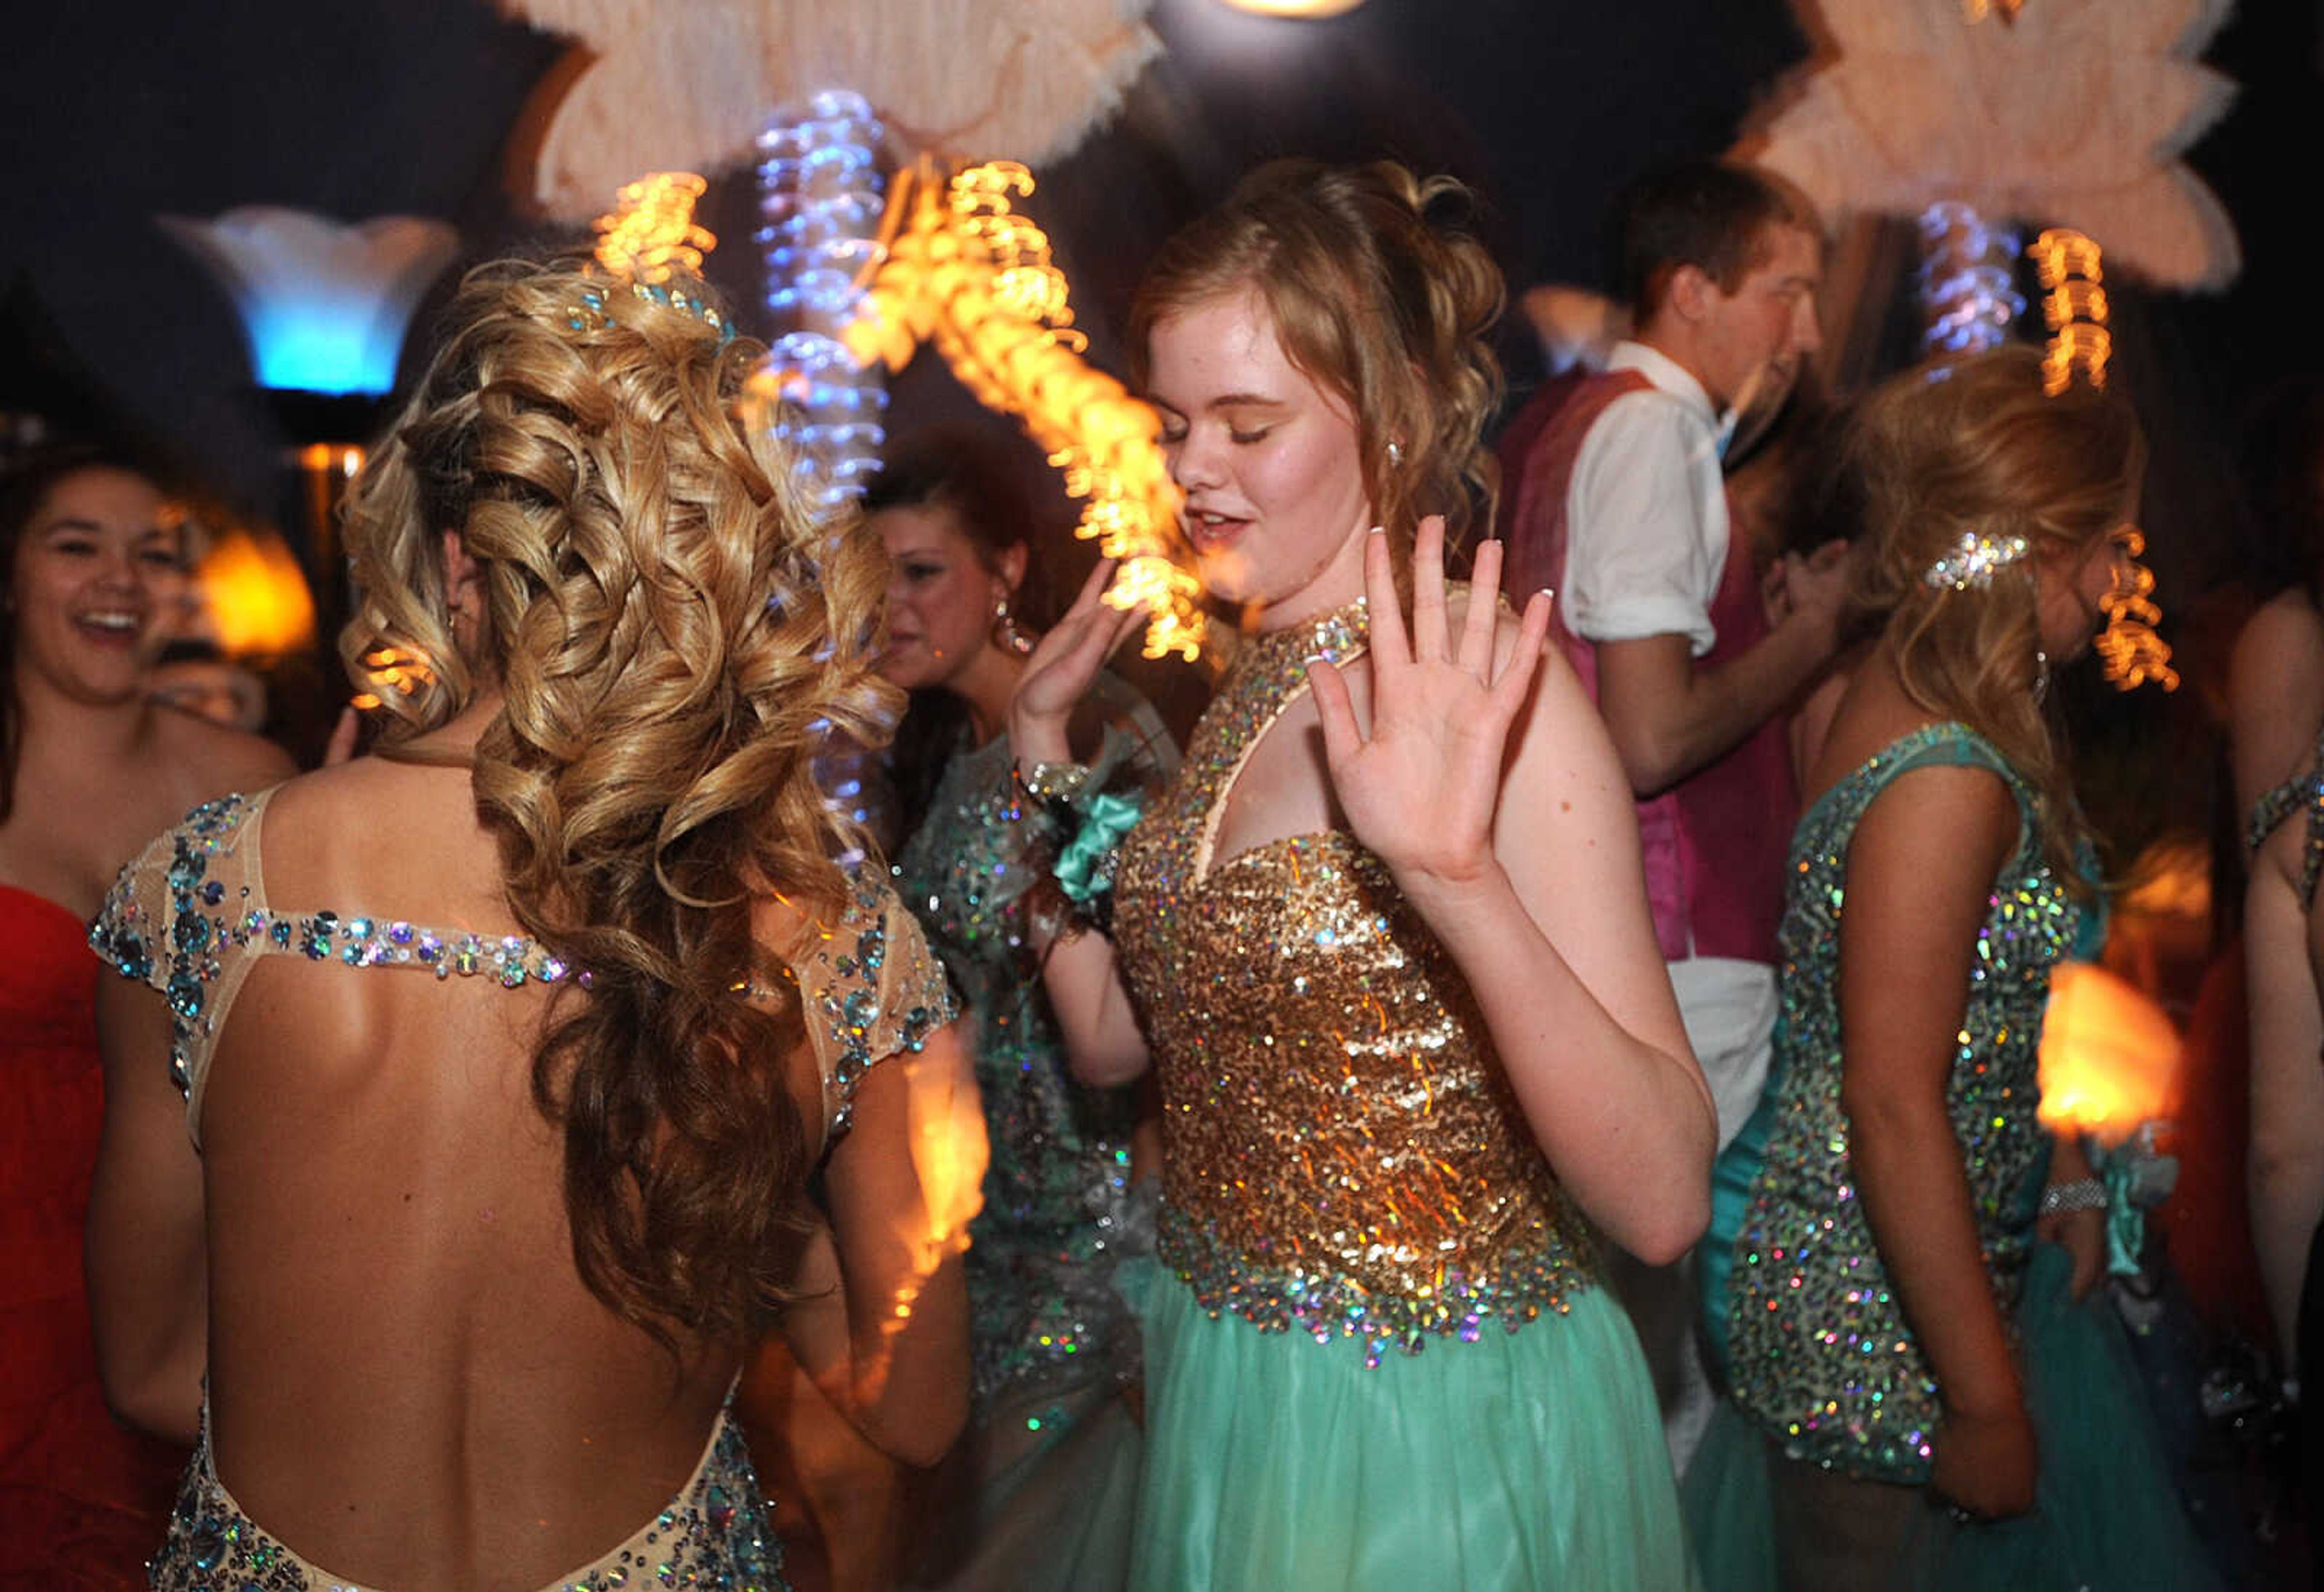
1384, 941
1899, 1252
457, 1149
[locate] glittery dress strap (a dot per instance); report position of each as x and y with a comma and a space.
870, 988
1277, 664
2302, 791
190, 916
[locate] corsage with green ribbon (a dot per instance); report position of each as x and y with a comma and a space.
1086, 863
1090, 824
2132, 1178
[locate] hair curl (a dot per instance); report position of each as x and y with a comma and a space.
1380, 292
673, 636
1974, 445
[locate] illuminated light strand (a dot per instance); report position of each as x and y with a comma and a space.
2071, 270
2129, 647
652, 233
1979, 9
2075, 306
969, 274
391, 669
820, 203
1967, 280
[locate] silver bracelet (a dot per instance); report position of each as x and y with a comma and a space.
1054, 781
2081, 1194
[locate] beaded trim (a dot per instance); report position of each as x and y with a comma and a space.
1326, 1304
2303, 791
590, 314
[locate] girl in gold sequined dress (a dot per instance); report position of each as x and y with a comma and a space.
1384, 940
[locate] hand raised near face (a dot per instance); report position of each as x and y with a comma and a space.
1420, 789
1063, 667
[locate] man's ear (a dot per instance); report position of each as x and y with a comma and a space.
1690, 292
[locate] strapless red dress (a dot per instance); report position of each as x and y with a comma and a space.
83, 1499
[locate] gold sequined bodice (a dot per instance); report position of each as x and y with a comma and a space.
1341, 1151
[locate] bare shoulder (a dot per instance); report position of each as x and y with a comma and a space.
217, 759
1963, 812
2275, 692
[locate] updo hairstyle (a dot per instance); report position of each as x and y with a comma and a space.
1382, 295
1974, 447
673, 636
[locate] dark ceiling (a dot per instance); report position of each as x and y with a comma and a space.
364, 107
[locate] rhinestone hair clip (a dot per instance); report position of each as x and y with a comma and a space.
1973, 559
589, 314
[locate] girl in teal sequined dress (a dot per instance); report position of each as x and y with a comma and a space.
1383, 943
1924, 1398
1040, 1492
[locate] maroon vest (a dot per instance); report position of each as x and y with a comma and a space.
1714, 844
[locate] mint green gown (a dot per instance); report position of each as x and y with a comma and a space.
1379, 1351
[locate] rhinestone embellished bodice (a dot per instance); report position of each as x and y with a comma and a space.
1059, 1209
1819, 1351
1341, 1153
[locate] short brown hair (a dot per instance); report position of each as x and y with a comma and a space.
1711, 214
1380, 293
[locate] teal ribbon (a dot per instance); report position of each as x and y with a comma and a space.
1105, 819
2125, 1223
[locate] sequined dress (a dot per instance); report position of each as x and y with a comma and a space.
1051, 1468
1377, 1353
190, 916
1821, 1363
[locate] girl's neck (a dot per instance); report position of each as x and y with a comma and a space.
96, 731
984, 687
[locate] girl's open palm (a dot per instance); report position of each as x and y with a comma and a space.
1069, 656
1421, 789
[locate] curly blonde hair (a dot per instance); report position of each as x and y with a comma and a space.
1380, 293
1975, 446
673, 637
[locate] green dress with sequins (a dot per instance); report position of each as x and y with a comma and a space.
1822, 1363
1053, 1455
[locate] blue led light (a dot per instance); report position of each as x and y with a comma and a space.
1967, 280
820, 198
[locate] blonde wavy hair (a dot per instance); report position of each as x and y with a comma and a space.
1380, 293
1974, 445
673, 637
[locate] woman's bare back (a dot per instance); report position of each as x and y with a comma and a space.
407, 1377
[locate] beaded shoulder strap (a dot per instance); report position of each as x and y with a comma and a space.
2303, 790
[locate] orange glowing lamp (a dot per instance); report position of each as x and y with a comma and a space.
2110, 1056
255, 597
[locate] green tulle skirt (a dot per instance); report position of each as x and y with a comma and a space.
1525, 1460
2106, 1519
